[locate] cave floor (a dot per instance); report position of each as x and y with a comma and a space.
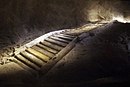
101, 58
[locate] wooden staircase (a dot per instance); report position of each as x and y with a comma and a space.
39, 55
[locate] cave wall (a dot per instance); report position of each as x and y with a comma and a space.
22, 20
107, 10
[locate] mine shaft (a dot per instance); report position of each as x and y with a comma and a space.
65, 43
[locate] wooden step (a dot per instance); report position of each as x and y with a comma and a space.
51, 45
67, 35
38, 54
49, 54
59, 39
64, 37
24, 66
56, 42
32, 58
27, 62
47, 48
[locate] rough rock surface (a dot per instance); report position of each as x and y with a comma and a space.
101, 59
22, 21
103, 55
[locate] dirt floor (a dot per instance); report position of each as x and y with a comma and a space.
101, 59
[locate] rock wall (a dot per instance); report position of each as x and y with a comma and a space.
23, 20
